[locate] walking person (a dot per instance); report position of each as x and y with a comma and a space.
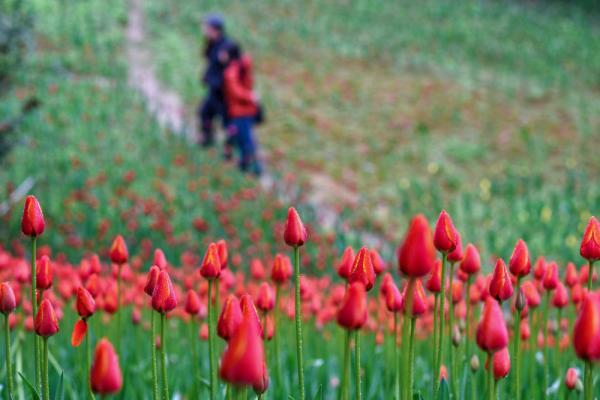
242, 106
213, 105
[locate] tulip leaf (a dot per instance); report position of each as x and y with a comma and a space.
34, 393
319, 395
205, 383
444, 392
58, 394
417, 396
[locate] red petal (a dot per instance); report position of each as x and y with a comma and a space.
79, 331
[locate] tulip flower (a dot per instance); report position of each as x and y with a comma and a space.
345, 265
265, 300
500, 287
295, 236
362, 269
105, 375
163, 301
46, 325
280, 274
119, 255
44, 274
352, 315
571, 278
500, 366
520, 263
377, 261
590, 246
211, 264
414, 304
416, 254
471, 265
230, 318
572, 379
32, 225
586, 338
492, 335
539, 268
445, 236
8, 303
151, 279
223, 253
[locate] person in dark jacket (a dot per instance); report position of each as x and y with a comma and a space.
213, 105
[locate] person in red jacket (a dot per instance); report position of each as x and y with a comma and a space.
242, 106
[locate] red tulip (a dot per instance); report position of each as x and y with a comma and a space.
8, 301
393, 298
249, 310
43, 273
32, 223
223, 253
151, 279
243, 361
295, 233
345, 264
79, 332
163, 297
362, 269
492, 334
377, 261
590, 243
211, 265
419, 300
571, 378
84, 303
434, 284
46, 324
263, 385
105, 374
352, 314
192, 303
445, 236
551, 276
539, 269
257, 270
586, 332
501, 363
520, 263
160, 260
282, 269
266, 299
561, 297
416, 254
230, 318
500, 285
571, 277
456, 255
118, 251
531, 294
471, 263
456, 291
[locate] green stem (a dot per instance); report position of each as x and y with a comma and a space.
588, 389
9, 373
436, 305
490, 376
194, 359
87, 365
590, 275
45, 382
34, 305
546, 332
211, 339
396, 363
119, 310
276, 335
298, 315
408, 305
411, 357
357, 366
474, 386
153, 344
451, 332
517, 346
345, 388
163, 353
440, 358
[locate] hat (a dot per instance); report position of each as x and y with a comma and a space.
215, 20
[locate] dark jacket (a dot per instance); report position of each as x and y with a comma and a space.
213, 75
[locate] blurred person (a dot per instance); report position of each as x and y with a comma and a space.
213, 105
242, 106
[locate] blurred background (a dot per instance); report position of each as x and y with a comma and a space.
375, 111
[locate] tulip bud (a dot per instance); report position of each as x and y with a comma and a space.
539, 269
32, 223
500, 285
393, 298
532, 295
471, 263
456, 255
520, 263
282, 269
571, 378
46, 324
474, 363
8, 301
416, 254
151, 279
160, 260
377, 261
105, 374
84, 303
243, 361
492, 334
192, 303
230, 318
456, 336
353, 312
79, 332
43, 273
249, 310
561, 297
551, 276
266, 299
586, 332
501, 363
444, 238
571, 277
520, 302
345, 264
419, 300
118, 251
434, 284
362, 269
223, 253
295, 233
590, 243
163, 297
211, 265
257, 269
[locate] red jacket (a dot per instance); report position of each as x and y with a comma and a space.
238, 83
